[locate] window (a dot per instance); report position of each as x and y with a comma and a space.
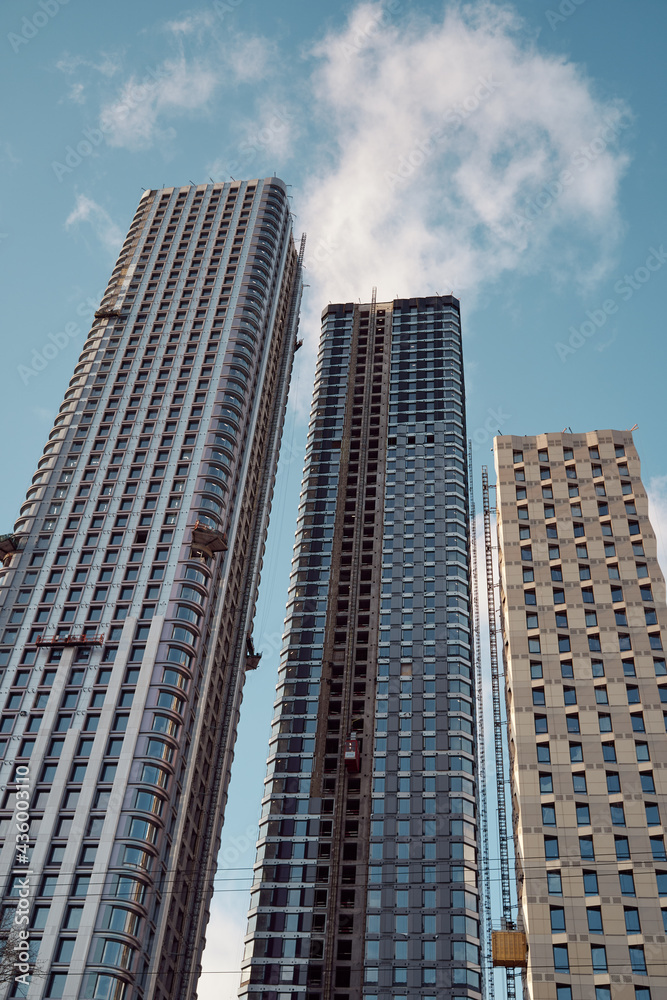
598, 958
590, 883
601, 696
652, 814
65, 949
551, 848
557, 919
549, 815
586, 850
647, 782
56, 987
622, 847
579, 783
637, 959
572, 723
543, 753
583, 814
613, 782
637, 720
538, 696
554, 885
576, 753
541, 724
546, 784
570, 698
627, 883
658, 848
604, 721
632, 924
561, 959
617, 814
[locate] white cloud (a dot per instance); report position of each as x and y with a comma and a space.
108, 64
70, 65
249, 58
264, 144
133, 118
657, 498
222, 956
191, 23
104, 228
443, 136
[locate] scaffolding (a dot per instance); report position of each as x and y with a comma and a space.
487, 968
85, 639
505, 882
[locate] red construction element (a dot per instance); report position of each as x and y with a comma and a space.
351, 756
72, 640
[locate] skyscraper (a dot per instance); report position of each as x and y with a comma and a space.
583, 611
366, 872
128, 597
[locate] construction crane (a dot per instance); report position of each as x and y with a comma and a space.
505, 883
485, 861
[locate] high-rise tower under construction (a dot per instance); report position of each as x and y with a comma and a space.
366, 873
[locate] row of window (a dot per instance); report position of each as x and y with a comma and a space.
587, 851
613, 781
637, 963
568, 454
637, 722
601, 694
616, 811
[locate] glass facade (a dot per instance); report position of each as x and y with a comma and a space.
366, 872
128, 595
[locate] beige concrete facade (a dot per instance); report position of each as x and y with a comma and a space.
584, 625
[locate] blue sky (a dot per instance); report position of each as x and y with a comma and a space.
513, 154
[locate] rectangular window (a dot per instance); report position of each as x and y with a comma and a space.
551, 848
598, 958
554, 885
627, 883
590, 883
